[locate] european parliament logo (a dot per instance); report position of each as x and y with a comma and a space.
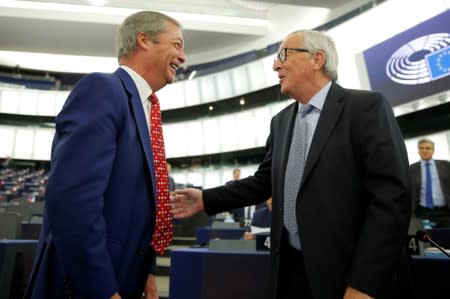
421, 60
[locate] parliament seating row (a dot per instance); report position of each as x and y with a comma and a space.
16, 257
22, 183
13, 228
199, 272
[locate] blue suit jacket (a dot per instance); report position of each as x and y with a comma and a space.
100, 210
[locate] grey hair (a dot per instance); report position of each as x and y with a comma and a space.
152, 23
425, 140
315, 41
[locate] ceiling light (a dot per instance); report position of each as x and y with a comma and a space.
192, 75
98, 7
253, 5
98, 2
59, 62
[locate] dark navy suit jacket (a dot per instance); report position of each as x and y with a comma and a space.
100, 209
415, 170
262, 217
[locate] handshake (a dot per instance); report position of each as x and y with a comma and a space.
186, 202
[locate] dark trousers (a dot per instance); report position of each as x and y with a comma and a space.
292, 280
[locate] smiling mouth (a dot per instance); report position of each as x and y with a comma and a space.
174, 66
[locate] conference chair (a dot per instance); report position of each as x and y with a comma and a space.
24, 210
10, 225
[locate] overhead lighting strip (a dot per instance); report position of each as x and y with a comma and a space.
123, 12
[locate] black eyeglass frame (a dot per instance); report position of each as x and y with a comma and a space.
282, 57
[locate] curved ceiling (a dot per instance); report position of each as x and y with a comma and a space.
87, 28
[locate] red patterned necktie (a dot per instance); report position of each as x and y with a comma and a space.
162, 236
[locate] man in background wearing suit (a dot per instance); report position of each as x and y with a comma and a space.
243, 213
261, 218
337, 170
236, 176
430, 186
100, 208
239, 213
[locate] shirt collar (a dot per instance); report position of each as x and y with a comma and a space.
422, 162
142, 86
318, 99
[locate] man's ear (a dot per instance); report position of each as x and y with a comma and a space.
142, 40
319, 59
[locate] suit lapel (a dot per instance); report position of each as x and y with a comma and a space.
287, 122
440, 167
329, 115
418, 178
141, 122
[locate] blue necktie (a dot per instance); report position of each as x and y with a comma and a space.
294, 168
428, 188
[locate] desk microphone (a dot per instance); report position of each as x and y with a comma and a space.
425, 237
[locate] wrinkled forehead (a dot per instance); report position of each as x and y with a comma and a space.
174, 32
293, 40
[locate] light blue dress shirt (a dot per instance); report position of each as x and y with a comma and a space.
438, 196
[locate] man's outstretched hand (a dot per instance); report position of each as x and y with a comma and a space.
186, 202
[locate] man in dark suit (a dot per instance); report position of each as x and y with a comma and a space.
100, 197
236, 176
350, 206
430, 186
261, 218
239, 213
243, 213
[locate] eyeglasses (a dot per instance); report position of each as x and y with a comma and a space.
282, 55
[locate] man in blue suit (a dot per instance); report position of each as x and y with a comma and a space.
100, 200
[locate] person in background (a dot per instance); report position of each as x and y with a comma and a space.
236, 176
262, 218
8, 163
171, 180
244, 213
336, 167
102, 221
430, 186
